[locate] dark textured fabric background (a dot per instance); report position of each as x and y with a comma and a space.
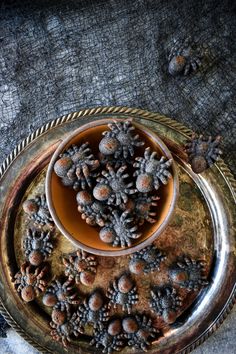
61, 56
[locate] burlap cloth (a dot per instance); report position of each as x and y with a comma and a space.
61, 56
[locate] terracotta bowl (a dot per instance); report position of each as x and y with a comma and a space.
62, 200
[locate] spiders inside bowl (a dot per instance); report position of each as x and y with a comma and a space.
111, 187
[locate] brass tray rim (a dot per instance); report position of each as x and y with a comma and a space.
168, 122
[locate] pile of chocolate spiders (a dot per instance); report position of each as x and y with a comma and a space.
116, 191
72, 311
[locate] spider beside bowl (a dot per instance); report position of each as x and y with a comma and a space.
112, 204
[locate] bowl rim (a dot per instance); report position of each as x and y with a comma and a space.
58, 223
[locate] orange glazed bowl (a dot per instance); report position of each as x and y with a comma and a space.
62, 200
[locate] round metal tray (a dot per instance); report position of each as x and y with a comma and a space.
203, 227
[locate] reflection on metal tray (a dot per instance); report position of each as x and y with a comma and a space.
202, 228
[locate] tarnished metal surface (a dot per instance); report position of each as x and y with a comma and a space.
202, 227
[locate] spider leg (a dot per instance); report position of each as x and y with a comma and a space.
118, 199
110, 292
215, 156
111, 198
125, 151
128, 307
42, 282
144, 345
147, 154
100, 221
149, 219
134, 298
198, 61
48, 250
115, 285
116, 242
217, 151
181, 265
131, 149
153, 155
128, 242
194, 65
134, 236
156, 184
188, 261
173, 51
131, 341
187, 69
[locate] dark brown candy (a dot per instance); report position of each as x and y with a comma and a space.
37, 246
117, 189
75, 166
62, 166
184, 58
61, 295
139, 331
64, 327
142, 206
93, 311
151, 172
121, 140
176, 65
165, 302
110, 338
203, 152
189, 274
37, 210
30, 281
123, 292
119, 229
147, 260
58, 316
81, 267
108, 145
92, 211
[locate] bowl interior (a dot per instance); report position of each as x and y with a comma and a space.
63, 199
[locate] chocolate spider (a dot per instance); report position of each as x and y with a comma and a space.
37, 246
75, 166
61, 295
189, 274
81, 267
165, 302
141, 207
146, 260
37, 210
203, 152
112, 187
110, 337
93, 311
120, 141
92, 211
122, 292
183, 59
119, 231
139, 331
30, 282
64, 326
151, 171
